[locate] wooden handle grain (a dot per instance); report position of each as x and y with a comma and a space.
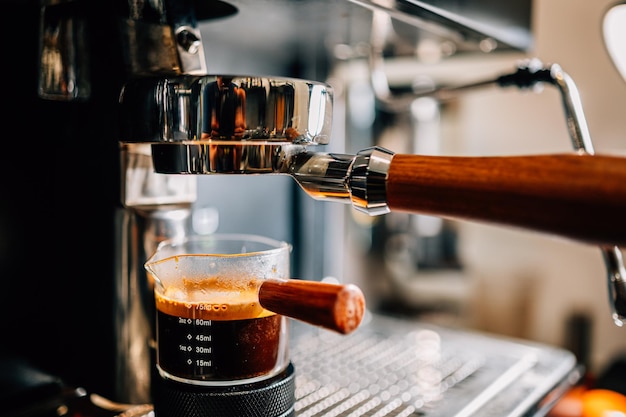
333, 306
582, 197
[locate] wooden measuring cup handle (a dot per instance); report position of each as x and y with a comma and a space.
577, 196
333, 306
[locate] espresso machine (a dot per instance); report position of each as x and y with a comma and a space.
120, 87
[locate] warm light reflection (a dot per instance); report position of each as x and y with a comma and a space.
317, 113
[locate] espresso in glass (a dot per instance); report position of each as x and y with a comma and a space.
211, 329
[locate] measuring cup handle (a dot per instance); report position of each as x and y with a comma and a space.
333, 306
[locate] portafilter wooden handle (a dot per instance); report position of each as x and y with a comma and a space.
577, 196
332, 306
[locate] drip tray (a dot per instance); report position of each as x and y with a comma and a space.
396, 367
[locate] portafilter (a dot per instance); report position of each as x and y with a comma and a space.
224, 124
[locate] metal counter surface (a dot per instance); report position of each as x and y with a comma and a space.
396, 367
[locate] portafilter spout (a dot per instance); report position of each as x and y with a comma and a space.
254, 125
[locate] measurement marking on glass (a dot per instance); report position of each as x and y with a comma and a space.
202, 349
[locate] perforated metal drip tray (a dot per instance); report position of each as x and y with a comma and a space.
394, 367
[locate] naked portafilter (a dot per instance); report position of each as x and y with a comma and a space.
223, 124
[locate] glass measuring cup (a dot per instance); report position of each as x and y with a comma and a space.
211, 329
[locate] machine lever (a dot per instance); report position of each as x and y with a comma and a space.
530, 74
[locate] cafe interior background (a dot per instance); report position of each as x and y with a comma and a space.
477, 276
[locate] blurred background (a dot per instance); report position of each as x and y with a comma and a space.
495, 279
524, 284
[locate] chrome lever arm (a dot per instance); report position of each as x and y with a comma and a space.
533, 72
581, 140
